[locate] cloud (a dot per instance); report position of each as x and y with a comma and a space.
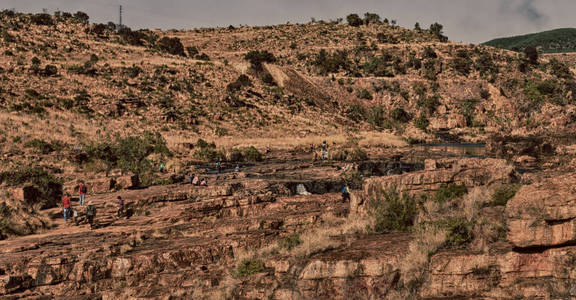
527, 10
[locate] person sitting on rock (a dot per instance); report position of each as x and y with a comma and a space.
203, 182
237, 169
120, 203
66, 206
91, 213
75, 216
345, 194
196, 180
191, 178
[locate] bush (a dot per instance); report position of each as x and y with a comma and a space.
531, 54
43, 146
48, 189
376, 116
81, 17
130, 153
393, 211
332, 63
251, 154
192, 51
354, 20
355, 113
250, 267
422, 122
203, 56
50, 70
237, 85
436, 29
171, 45
560, 69
502, 194
364, 94
459, 232
41, 19
257, 58
400, 115
448, 192
353, 179
290, 242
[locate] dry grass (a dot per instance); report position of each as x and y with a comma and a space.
427, 240
313, 241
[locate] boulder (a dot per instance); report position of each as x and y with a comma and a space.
543, 214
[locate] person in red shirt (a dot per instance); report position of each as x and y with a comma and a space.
66, 205
82, 190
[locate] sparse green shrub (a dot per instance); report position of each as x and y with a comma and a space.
43, 146
171, 45
268, 79
50, 70
132, 71
376, 116
242, 81
219, 131
203, 56
290, 242
130, 153
400, 115
429, 104
531, 54
364, 94
257, 58
448, 192
484, 94
459, 232
354, 20
353, 179
81, 17
422, 122
436, 29
250, 267
502, 194
393, 211
192, 51
251, 154
560, 69
356, 112
332, 63
468, 109
42, 19
462, 63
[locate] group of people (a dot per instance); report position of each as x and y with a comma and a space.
219, 167
196, 180
90, 211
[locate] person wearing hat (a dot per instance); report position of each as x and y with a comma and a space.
90, 213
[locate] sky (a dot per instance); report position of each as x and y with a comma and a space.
470, 21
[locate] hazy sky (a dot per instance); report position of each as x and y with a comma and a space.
464, 20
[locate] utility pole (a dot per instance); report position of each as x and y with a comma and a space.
120, 21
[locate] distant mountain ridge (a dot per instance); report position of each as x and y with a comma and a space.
552, 41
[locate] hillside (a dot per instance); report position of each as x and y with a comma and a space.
553, 41
395, 205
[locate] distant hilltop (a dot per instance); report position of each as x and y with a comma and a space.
553, 41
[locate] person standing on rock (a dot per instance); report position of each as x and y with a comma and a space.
120, 203
345, 193
66, 207
324, 151
82, 190
219, 166
90, 213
